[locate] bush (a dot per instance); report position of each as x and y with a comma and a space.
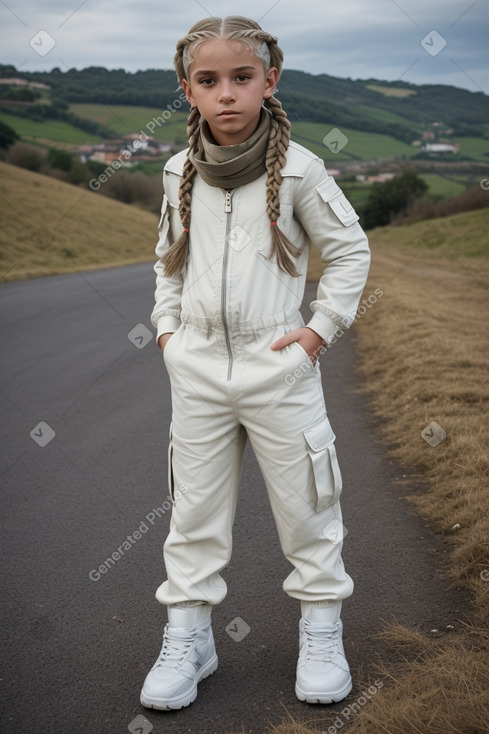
26, 156
135, 188
7, 136
392, 197
473, 198
60, 159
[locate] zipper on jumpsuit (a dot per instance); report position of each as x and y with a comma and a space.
227, 210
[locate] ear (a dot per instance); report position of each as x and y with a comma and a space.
271, 82
188, 93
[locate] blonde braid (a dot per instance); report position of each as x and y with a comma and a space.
275, 160
175, 257
240, 29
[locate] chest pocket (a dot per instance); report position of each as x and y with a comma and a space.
331, 194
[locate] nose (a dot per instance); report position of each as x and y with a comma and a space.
226, 92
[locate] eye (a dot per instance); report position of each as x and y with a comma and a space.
206, 82
242, 77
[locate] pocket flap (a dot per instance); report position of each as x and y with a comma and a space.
328, 189
320, 434
344, 210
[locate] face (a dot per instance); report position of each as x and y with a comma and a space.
228, 84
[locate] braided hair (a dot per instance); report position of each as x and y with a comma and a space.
263, 45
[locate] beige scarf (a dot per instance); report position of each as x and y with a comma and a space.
229, 166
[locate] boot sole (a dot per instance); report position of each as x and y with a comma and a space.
185, 699
323, 696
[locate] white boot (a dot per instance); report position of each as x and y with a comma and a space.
323, 674
187, 656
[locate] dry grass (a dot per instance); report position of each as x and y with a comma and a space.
441, 686
424, 346
425, 350
50, 227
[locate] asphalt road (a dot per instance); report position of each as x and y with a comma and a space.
85, 413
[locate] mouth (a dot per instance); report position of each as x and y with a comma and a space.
228, 113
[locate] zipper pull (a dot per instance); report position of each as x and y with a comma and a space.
227, 203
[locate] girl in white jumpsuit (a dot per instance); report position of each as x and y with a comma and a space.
242, 206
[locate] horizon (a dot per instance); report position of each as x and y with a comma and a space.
390, 82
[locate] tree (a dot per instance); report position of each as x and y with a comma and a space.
60, 159
7, 136
392, 197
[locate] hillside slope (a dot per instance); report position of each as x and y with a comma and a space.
395, 108
52, 227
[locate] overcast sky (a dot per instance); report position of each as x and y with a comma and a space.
345, 38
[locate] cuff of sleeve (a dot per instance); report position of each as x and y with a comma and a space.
167, 324
324, 326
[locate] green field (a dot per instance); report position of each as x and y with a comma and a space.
378, 113
360, 146
50, 132
441, 186
124, 119
477, 148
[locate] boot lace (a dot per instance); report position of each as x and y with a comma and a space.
176, 645
321, 641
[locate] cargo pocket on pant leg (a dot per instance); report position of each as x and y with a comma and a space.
327, 476
171, 480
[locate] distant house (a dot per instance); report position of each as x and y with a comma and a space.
14, 82
441, 148
438, 140
133, 146
379, 178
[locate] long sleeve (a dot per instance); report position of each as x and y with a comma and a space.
332, 226
168, 295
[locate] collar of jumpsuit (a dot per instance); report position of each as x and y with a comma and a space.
230, 166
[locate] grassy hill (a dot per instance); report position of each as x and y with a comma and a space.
396, 109
319, 98
51, 227
50, 133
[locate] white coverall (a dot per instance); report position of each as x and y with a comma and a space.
225, 310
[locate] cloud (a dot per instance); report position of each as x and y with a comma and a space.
346, 38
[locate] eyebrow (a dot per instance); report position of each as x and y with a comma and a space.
210, 72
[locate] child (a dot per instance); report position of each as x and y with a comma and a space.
241, 207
